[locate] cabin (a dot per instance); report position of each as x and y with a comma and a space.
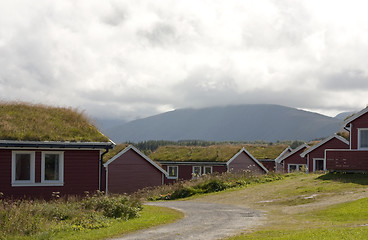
62, 157
292, 161
278, 165
131, 170
315, 155
355, 158
186, 170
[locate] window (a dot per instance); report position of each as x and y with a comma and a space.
173, 171
297, 167
363, 138
207, 169
52, 165
196, 171
23, 165
318, 164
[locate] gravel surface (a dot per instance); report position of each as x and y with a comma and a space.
201, 221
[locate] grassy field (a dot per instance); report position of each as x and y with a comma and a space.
305, 206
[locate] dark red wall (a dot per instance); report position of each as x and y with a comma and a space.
185, 171
345, 160
319, 152
294, 159
81, 173
360, 122
131, 172
244, 162
270, 165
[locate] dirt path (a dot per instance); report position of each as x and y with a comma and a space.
202, 221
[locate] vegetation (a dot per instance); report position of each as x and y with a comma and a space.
112, 152
306, 206
29, 218
206, 184
28, 122
214, 153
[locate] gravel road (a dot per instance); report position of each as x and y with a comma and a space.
201, 221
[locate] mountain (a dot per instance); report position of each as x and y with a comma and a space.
342, 116
229, 123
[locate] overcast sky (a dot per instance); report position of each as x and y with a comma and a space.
131, 59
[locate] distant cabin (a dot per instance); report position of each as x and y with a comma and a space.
130, 170
220, 162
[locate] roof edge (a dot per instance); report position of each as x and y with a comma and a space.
56, 144
292, 152
303, 154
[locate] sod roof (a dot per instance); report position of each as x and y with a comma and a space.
29, 122
214, 153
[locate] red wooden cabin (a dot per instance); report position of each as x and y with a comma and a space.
241, 161
131, 170
292, 161
38, 169
315, 155
355, 158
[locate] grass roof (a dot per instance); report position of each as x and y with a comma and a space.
29, 122
214, 153
112, 152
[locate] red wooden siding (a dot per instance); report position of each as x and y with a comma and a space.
81, 173
185, 171
244, 162
360, 122
294, 159
131, 172
270, 165
341, 160
319, 152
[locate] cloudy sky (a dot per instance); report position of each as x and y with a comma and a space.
131, 59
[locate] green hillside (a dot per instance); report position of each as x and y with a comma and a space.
214, 153
28, 122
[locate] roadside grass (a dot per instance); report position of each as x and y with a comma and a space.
308, 206
93, 217
205, 184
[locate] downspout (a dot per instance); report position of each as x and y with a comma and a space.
102, 168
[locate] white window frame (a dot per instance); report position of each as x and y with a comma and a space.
22, 183
204, 169
177, 171
59, 182
200, 171
359, 142
297, 166
319, 159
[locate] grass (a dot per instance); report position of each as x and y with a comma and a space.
306, 206
29, 122
29, 218
214, 153
205, 184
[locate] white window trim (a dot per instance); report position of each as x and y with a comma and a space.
207, 167
200, 171
297, 166
320, 159
22, 183
177, 171
59, 182
359, 130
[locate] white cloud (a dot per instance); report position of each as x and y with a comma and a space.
136, 58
